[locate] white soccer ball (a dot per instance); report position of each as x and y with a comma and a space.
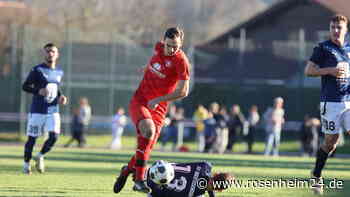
161, 172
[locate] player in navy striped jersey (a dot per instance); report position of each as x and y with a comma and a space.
191, 180
43, 82
330, 61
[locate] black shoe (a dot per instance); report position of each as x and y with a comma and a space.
121, 180
140, 186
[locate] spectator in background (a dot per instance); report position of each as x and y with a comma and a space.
175, 117
222, 133
199, 116
76, 129
180, 117
274, 119
309, 135
210, 132
235, 126
219, 118
84, 118
119, 122
170, 130
253, 119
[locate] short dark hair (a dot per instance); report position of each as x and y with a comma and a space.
338, 17
49, 45
174, 32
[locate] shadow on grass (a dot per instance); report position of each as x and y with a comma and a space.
48, 193
123, 158
61, 170
204, 157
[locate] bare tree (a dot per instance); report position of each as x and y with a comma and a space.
141, 20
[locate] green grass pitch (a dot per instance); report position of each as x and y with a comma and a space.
91, 172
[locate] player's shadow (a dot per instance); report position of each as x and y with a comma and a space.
124, 157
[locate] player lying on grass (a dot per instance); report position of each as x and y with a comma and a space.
185, 179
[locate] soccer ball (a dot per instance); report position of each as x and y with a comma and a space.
161, 172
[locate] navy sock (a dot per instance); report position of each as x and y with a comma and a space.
28, 148
49, 143
320, 162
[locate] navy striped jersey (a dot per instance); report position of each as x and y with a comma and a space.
188, 181
42, 76
328, 54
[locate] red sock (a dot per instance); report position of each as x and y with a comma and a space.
142, 156
131, 166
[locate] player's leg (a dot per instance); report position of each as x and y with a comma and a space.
39, 158
332, 119
329, 145
137, 113
35, 122
125, 171
52, 125
49, 143
28, 150
145, 142
137, 162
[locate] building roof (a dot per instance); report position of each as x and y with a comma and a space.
339, 6
260, 19
216, 62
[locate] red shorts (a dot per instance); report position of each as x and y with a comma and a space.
139, 111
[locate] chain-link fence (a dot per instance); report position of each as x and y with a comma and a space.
254, 70
105, 67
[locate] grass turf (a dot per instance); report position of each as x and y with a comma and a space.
91, 171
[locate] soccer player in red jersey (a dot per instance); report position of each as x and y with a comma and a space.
166, 78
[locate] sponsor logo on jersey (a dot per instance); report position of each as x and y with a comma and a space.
155, 68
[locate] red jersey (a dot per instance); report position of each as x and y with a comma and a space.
161, 76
